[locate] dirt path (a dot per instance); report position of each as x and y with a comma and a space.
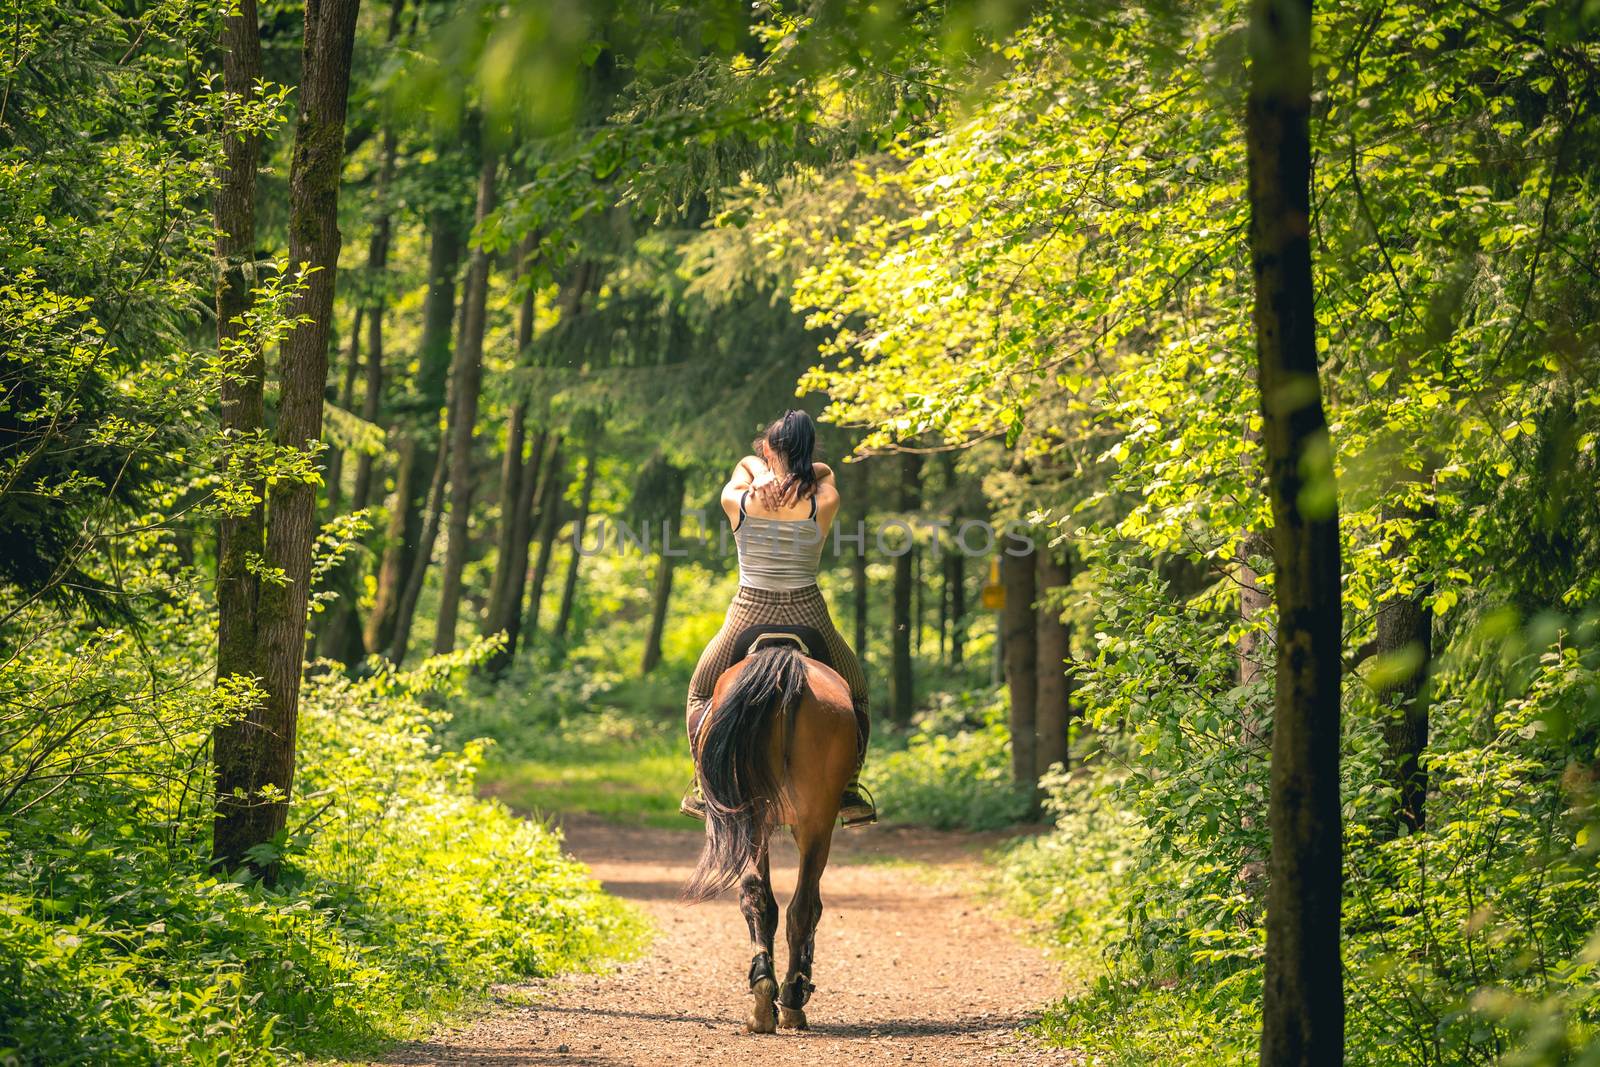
910, 968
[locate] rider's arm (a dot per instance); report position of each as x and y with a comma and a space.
745, 474
743, 477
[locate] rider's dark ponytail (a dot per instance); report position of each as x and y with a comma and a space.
791, 440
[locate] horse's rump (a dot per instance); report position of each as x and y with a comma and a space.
744, 763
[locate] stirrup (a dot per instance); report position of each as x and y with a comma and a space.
693, 804
866, 818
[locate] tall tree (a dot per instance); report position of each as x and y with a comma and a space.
918, 597
341, 635
569, 592
255, 760
338, 634
955, 581
858, 563
1404, 647
1302, 1022
902, 682
858, 598
1254, 600
552, 491
432, 517
236, 745
466, 382
334, 477
519, 493
417, 449
377, 291
667, 519
1019, 639
1053, 707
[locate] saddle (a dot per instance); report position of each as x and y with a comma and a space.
808, 639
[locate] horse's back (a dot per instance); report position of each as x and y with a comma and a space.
818, 766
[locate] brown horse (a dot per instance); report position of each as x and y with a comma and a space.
776, 749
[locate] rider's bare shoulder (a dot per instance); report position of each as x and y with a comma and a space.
827, 498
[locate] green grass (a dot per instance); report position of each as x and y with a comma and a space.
603, 745
625, 782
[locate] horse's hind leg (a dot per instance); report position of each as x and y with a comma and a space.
805, 909
760, 910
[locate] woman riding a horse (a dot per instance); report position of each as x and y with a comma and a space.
777, 715
781, 503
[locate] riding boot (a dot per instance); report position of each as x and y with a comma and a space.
693, 804
856, 807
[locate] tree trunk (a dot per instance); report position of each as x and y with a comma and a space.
237, 745
377, 267
466, 382
956, 579
513, 491
433, 513
1053, 707
858, 598
400, 539
1254, 600
1019, 639
342, 637
371, 403
664, 568
303, 374
338, 634
334, 479
585, 495
859, 586
944, 610
1405, 641
418, 448
519, 493
902, 698
918, 584
1303, 996
552, 491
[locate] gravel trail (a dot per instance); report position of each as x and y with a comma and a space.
911, 967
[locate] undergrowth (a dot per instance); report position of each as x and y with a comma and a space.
953, 771
402, 897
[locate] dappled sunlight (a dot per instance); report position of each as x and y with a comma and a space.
1110, 487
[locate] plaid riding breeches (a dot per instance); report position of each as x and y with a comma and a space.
770, 607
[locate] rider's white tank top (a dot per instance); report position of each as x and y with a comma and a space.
778, 554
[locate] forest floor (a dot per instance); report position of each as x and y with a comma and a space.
912, 966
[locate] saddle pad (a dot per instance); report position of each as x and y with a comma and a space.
816, 644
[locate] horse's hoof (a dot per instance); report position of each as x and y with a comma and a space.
762, 1018
792, 1019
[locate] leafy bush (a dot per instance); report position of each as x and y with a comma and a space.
955, 770
1475, 942
1079, 881
402, 895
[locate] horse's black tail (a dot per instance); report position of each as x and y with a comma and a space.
741, 791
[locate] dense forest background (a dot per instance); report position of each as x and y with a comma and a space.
329, 332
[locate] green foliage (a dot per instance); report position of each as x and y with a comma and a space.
955, 769
1471, 943
1060, 267
403, 896
584, 739
1081, 881
1030, 245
